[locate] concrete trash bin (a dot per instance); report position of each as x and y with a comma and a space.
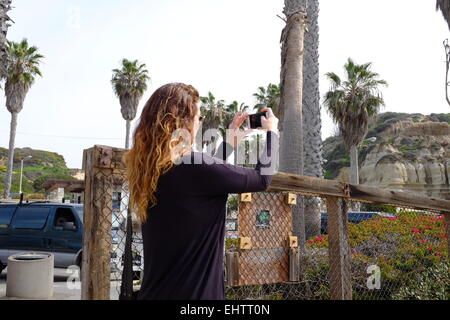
30, 275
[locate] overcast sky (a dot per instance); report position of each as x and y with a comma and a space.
227, 47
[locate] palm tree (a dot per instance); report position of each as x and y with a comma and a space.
129, 84
352, 103
5, 6
291, 112
214, 115
444, 7
229, 111
268, 98
21, 68
312, 124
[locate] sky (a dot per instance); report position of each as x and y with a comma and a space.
227, 47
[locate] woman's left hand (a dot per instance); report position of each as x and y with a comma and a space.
234, 134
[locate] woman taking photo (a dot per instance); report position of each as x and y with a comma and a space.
181, 206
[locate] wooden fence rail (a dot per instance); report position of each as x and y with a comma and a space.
101, 162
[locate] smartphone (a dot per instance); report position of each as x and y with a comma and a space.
254, 120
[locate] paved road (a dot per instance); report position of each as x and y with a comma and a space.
61, 288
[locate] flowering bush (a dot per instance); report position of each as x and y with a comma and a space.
432, 284
402, 247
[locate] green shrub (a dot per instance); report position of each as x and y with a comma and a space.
402, 247
432, 284
233, 202
231, 244
378, 208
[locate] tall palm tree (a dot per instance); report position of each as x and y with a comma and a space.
291, 112
21, 68
5, 6
214, 114
312, 124
268, 98
352, 103
129, 84
444, 7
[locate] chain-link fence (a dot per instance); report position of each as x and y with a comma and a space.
393, 253
281, 244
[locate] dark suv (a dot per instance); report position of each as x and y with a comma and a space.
42, 226
354, 217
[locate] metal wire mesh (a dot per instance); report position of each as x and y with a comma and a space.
374, 251
393, 253
120, 200
265, 268
398, 253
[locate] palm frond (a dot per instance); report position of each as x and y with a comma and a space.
444, 7
130, 80
268, 97
334, 78
351, 103
23, 62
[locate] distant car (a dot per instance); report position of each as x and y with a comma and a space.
55, 228
42, 226
354, 217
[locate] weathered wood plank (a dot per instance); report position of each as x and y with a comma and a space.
338, 250
302, 184
96, 258
290, 182
232, 263
401, 198
294, 260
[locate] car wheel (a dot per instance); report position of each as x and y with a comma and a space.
2, 267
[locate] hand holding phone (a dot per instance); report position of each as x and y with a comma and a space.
264, 120
254, 120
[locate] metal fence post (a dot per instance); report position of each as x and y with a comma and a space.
339, 250
96, 256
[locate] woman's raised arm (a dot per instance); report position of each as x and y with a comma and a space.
222, 178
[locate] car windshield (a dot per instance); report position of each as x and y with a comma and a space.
79, 210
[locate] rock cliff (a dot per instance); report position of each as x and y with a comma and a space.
408, 152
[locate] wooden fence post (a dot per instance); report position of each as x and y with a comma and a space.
96, 257
338, 250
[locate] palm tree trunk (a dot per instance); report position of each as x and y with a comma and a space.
12, 136
312, 124
5, 6
354, 176
127, 139
291, 144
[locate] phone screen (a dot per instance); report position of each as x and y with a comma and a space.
255, 120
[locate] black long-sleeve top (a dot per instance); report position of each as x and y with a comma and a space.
183, 237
